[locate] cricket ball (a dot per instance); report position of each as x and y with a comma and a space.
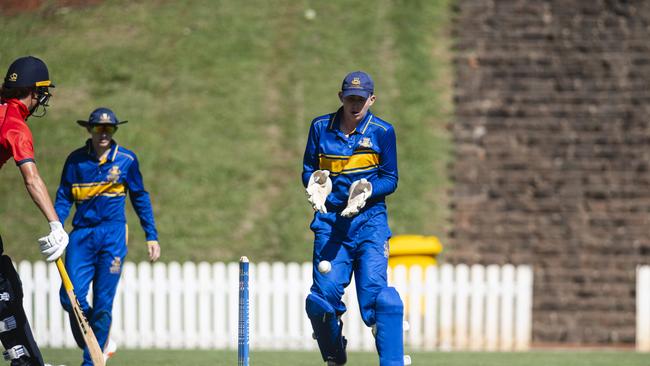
324, 267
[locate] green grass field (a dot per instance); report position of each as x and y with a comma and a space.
216, 358
219, 95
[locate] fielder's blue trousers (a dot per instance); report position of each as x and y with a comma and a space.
95, 254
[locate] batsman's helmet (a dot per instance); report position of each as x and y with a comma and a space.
27, 71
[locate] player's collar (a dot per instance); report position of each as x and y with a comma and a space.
335, 123
111, 153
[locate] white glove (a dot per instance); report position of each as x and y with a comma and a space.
319, 186
360, 191
53, 245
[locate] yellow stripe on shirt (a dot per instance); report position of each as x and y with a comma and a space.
86, 191
348, 164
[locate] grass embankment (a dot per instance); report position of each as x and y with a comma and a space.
219, 96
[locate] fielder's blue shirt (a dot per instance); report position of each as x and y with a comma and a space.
368, 152
99, 188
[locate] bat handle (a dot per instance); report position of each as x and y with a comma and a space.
67, 284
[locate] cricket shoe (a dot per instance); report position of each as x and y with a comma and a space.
110, 349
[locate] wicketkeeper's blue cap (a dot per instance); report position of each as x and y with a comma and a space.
358, 83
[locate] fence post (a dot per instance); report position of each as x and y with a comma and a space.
493, 292
176, 334
39, 326
26, 277
524, 298
129, 280
205, 290
279, 295
415, 307
431, 295
307, 341
477, 304
219, 308
145, 310
507, 305
160, 314
643, 309
446, 307
461, 306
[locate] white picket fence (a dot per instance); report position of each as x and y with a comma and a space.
643, 308
195, 306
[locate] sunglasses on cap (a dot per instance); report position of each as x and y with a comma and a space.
103, 129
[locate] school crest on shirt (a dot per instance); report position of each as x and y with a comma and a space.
116, 265
365, 142
113, 174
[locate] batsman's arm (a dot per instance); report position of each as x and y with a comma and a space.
64, 198
37, 190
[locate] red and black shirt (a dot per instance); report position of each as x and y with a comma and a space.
15, 136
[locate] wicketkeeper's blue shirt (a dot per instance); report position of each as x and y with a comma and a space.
368, 152
99, 188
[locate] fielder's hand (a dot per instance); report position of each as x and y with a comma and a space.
53, 245
360, 191
154, 250
319, 186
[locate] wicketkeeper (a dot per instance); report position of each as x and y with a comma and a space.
97, 178
24, 90
349, 167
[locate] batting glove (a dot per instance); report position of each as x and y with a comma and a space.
318, 188
53, 245
360, 191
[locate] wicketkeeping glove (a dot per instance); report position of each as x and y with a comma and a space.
360, 191
318, 188
53, 245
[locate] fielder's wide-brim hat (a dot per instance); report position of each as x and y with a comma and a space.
358, 83
101, 116
26, 72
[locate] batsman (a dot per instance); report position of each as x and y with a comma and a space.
25, 91
349, 167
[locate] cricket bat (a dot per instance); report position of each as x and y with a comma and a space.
96, 353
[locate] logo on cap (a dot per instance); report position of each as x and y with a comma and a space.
104, 118
13, 77
356, 83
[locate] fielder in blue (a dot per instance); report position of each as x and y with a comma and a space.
349, 167
96, 178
